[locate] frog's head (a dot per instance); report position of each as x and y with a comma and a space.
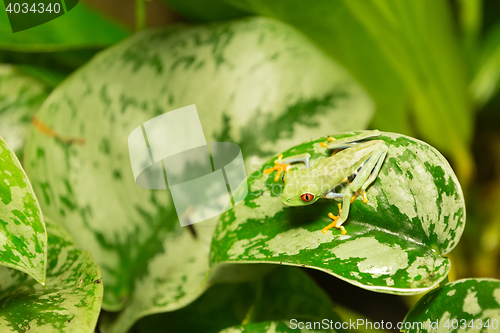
300, 189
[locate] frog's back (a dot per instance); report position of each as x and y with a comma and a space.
346, 162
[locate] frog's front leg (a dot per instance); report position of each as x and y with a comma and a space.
350, 141
284, 164
343, 214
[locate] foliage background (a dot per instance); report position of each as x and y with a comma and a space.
431, 67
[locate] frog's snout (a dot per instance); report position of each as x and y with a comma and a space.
285, 199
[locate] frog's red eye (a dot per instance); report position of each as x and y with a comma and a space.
306, 197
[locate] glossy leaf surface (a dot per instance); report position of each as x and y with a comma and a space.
336, 29
23, 240
238, 75
486, 80
394, 244
284, 294
403, 52
460, 306
70, 301
20, 98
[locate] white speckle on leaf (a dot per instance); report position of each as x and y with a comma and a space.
415, 195
295, 240
446, 316
443, 230
423, 265
414, 191
451, 292
496, 295
239, 247
389, 281
380, 259
267, 206
372, 193
471, 305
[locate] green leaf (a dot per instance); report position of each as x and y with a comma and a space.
402, 52
394, 244
487, 75
23, 240
284, 294
51, 78
20, 98
79, 28
418, 39
470, 17
334, 28
463, 305
49, 68
69, 302
239, 76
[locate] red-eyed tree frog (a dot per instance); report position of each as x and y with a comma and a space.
357, 164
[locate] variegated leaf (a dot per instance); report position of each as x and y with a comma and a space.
20, 97
255, 82
468, 305
286, 298
394, 244
70, 301
23, 241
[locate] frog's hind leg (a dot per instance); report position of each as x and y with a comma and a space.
369, 172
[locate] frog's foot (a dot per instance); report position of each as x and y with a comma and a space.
279, 166
334, 223
365, 198
325, 144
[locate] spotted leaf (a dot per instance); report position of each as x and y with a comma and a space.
23, 241
255, 82
273, 303
69, 302
20, 97
460, 306
394, 243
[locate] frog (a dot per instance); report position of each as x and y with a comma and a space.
355, 163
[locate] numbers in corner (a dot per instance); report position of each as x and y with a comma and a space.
24, 8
